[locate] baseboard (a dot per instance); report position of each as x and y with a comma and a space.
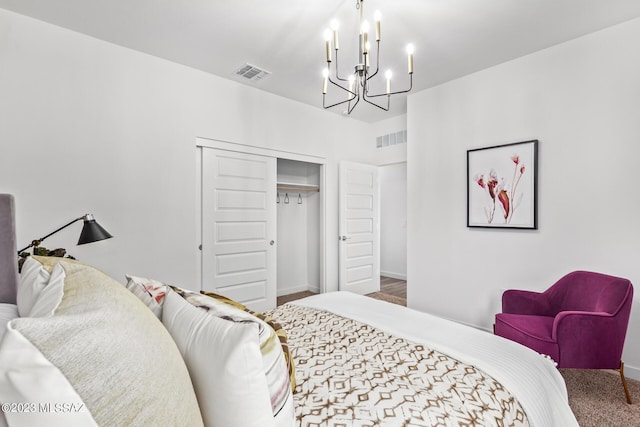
397, 276
631, 372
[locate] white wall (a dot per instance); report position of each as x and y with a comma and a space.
581, 99
88, 126
394, 153
393, 220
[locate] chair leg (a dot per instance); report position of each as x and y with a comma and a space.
624, 382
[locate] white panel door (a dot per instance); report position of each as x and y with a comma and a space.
239, 227
359, 269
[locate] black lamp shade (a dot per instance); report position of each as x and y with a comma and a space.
92, 232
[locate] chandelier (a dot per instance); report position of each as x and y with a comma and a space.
356, 86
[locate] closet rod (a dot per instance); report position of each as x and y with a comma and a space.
295, 188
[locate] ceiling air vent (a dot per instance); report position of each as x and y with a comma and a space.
251, 72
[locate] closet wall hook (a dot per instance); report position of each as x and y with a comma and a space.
299, 198
278, 198
286, 198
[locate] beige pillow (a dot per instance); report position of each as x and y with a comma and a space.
113, 351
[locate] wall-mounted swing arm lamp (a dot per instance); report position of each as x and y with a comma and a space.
91, 232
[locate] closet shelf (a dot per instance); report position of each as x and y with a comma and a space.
292, 186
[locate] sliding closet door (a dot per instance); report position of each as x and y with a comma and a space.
239, 227
359, 240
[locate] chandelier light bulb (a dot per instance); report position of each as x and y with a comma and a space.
334, 27
388, 75
410, 50
327, 38
377, 16
365, 27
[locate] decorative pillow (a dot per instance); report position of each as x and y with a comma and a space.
273, 361
149, 291
33, 278
280, 332
225, 364
115, 355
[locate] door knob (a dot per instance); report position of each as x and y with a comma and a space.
272, 243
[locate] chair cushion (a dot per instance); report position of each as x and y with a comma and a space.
531, 331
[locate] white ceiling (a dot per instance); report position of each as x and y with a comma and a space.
452, 38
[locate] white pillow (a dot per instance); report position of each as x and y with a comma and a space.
8, 312
33, 278
28, 378
49, 298
224, 362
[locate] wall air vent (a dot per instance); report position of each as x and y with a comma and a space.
252, 73
395, 138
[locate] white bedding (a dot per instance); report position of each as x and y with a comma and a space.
533, 379
8, 312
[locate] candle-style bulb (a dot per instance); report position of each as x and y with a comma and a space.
327, 38
377, 16
388, 75
365, 27
410, 50
334, 27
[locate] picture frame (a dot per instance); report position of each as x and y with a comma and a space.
502, 186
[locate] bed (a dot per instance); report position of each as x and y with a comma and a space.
161, 355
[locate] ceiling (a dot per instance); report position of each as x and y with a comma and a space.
452, 38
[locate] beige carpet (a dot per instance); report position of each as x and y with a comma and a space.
596, 397
598, 400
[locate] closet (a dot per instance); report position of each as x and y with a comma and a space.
261, 223
299, 218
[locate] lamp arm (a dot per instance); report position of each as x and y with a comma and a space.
38, 241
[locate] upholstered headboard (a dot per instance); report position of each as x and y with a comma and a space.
8, 254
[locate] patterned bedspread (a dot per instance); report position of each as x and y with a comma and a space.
350, 374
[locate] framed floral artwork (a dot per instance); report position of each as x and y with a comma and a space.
502, 186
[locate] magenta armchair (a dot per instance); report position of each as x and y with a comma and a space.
580, 322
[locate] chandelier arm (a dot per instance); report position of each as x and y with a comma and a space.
343, 88
349, 99
397, 92
377, 105
377, 61
351, 107
337, 75
333, 105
